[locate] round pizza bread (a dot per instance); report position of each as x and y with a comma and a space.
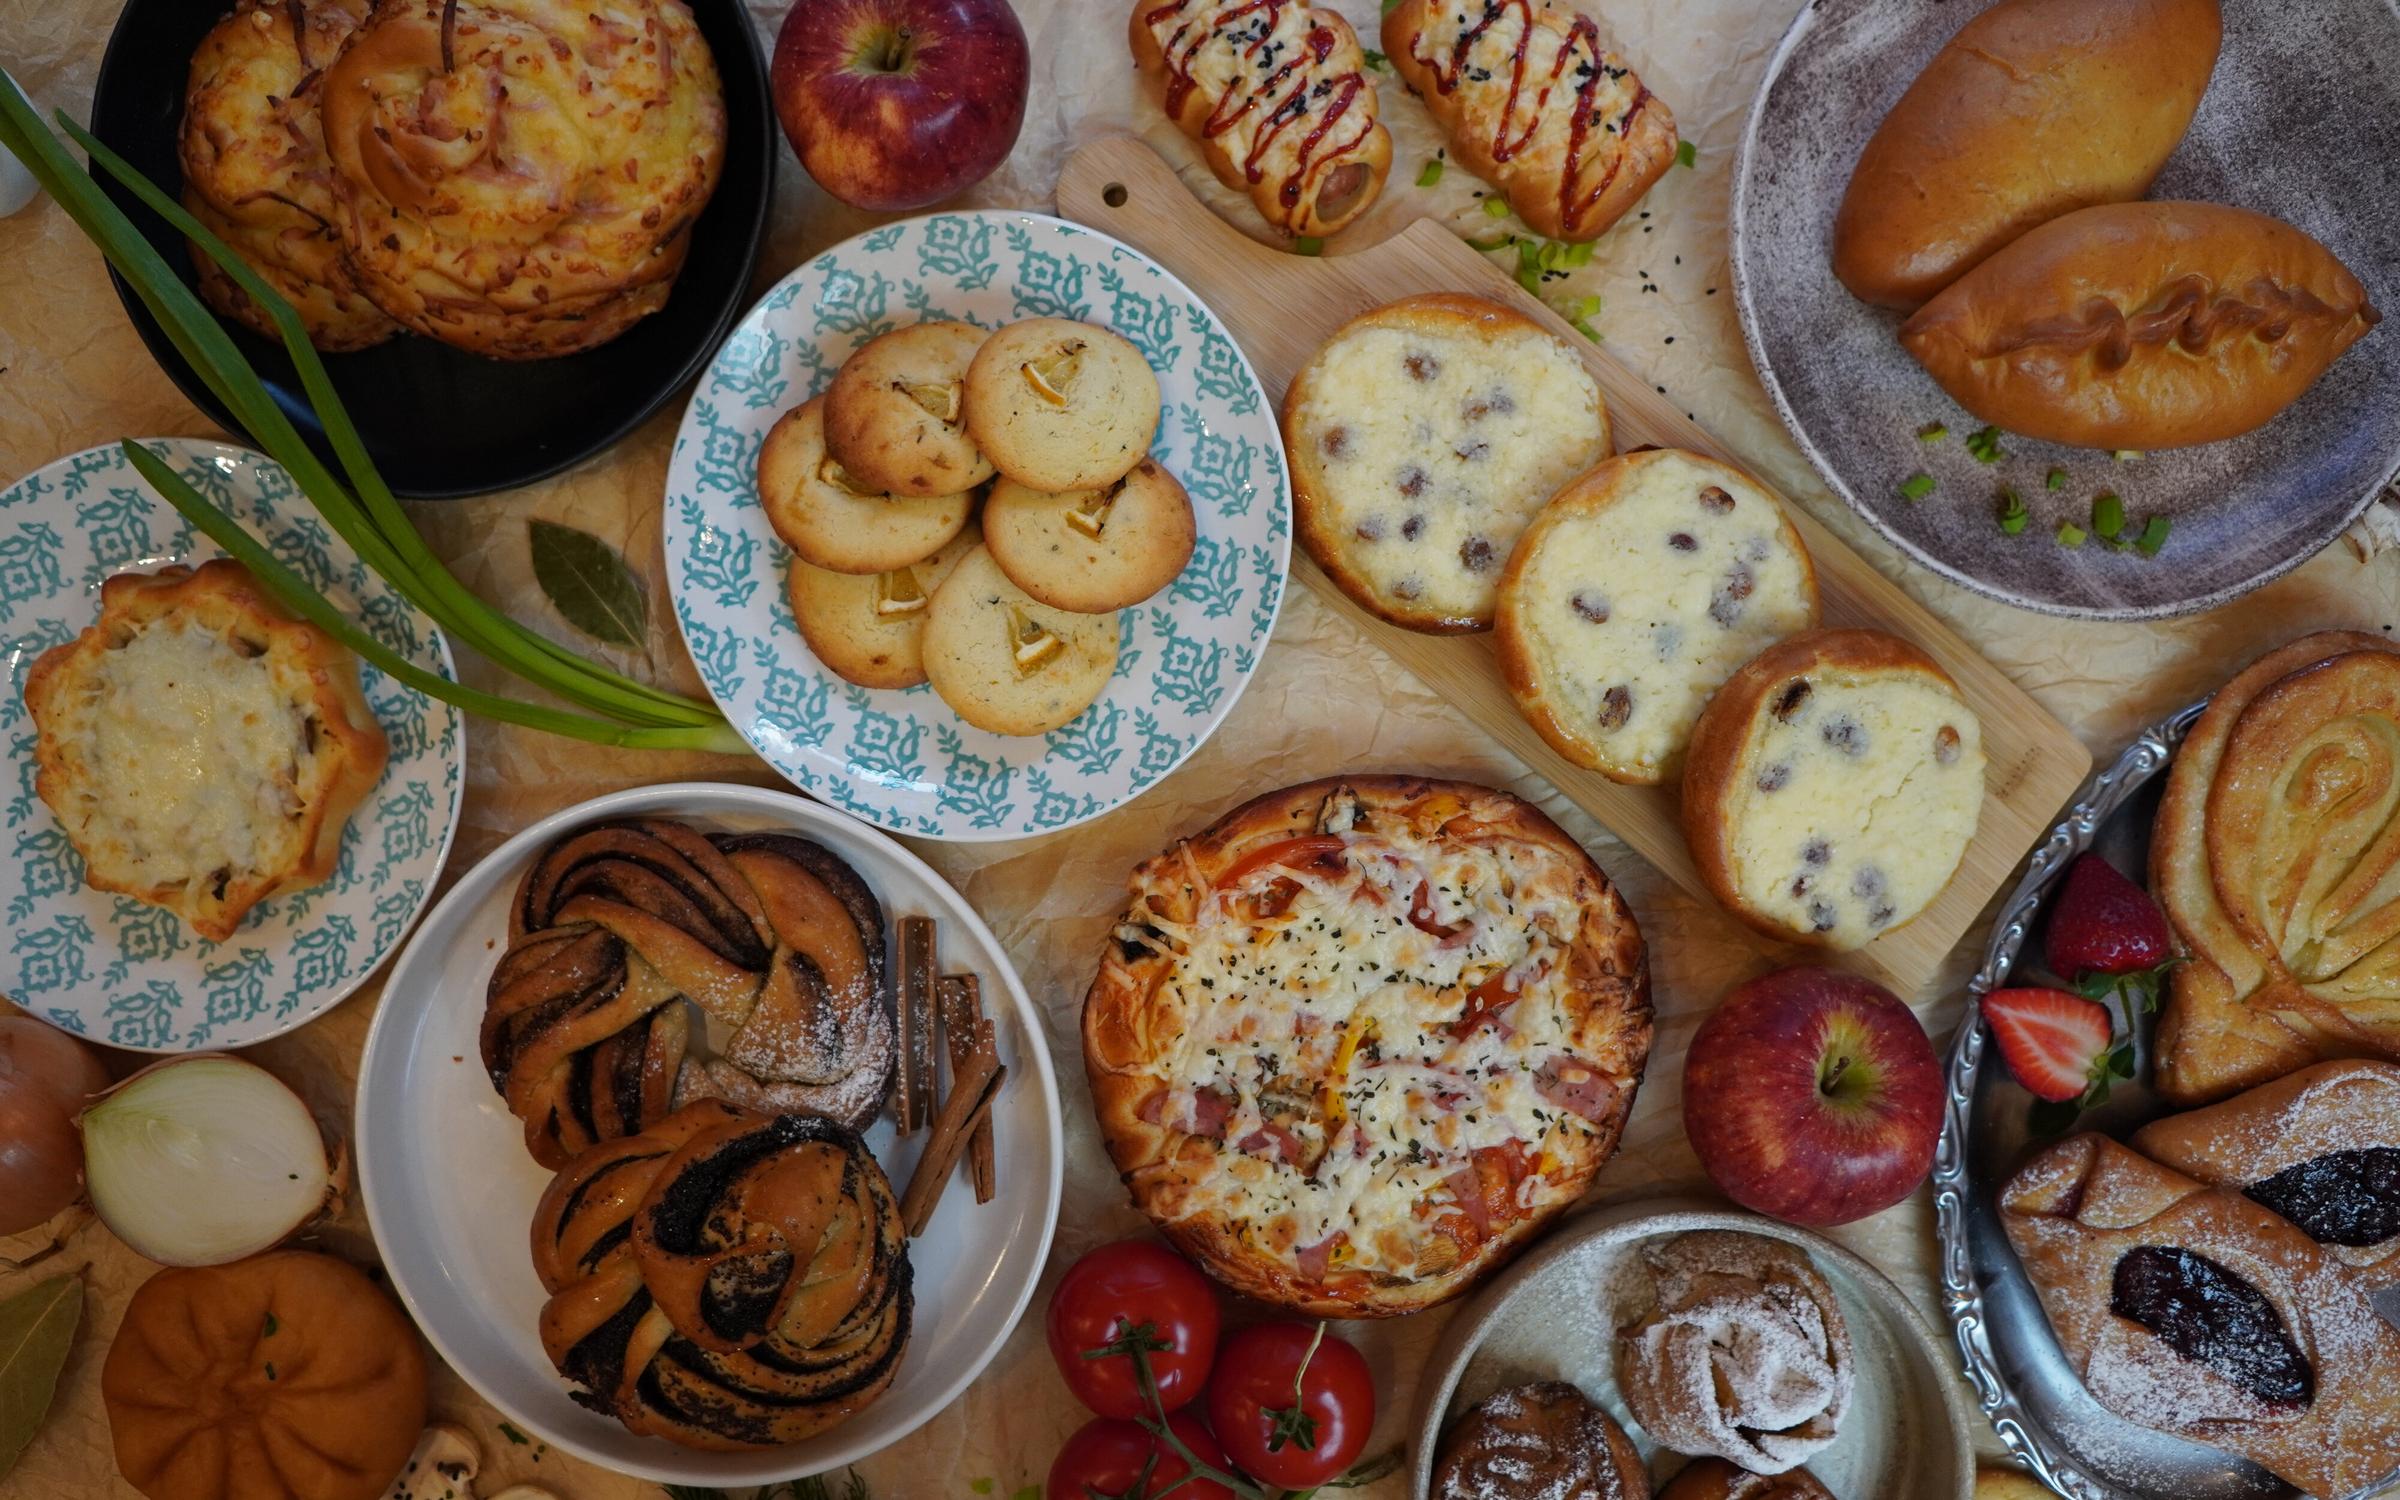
1356, 1042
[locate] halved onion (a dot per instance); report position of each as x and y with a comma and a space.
202, 1160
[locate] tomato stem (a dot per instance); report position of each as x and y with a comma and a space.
1156, 1425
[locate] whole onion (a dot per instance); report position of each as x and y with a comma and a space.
45, 1075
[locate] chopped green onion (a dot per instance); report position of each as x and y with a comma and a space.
1916, 486
1932, 432
2126, 455
2069, 534
1495, 208
1308, 244
1430, 173
2057, 480
1984, 444
1686, 153
2153, 537
2108, 515
2013, 514
1586, 309
1579, 252
1375, 59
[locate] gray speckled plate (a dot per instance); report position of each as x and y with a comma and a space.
2300, 121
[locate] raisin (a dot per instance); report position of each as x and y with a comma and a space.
1408, 588
1757, 549
1800, 884
1683, 541
1591, 606
1503, 402
1616, 706
1715, 501
1845, 734
1821, 916
1725, 606
1789, 701
1475, 554
1880, 915
2212, 1316
1473, 452
1412, 481
1867, 884
1817, 853
1421, 366
1945, 745
1371, 529
1336, 442
2341, 1198
1412, 528
1775, 777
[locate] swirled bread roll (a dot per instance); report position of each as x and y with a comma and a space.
2035, 109
520, 177
1535, 106
1276, 93
255, 171
2142, 325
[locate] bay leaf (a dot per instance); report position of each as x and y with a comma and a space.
591, 584
37, 1328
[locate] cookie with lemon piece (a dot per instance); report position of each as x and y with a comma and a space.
1005, 661
1092, 551
824, 512
869, 628
895, 414
1060, 405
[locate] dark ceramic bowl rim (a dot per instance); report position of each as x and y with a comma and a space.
1746, 161
733, 299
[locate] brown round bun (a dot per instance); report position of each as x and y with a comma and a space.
1716, 1479
1545, 1441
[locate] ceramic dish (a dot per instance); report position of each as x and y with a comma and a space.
1905, 1437
132, 975
439, 422
902, 759
2283, 130
2022, 1380
449, 1188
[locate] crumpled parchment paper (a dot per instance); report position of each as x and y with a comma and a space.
72, 374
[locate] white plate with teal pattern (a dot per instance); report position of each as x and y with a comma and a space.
132, 975
900, 758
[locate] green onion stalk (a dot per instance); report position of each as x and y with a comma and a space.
617, 709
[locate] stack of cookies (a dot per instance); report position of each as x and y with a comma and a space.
1043, 427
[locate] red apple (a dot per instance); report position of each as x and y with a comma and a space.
1813, 1096
896, 104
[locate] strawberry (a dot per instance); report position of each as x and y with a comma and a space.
2056, 1044
2103, 924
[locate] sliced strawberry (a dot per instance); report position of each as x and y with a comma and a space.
2051, 1040
2103, 923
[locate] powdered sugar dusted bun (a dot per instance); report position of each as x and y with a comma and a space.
1424, 435
1745, 1357
1715, 1479
1831, 787
1634, 594
1546, 1441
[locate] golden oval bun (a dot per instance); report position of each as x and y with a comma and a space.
519, 177
2142, 325
2035, 109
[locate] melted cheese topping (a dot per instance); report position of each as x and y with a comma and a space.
1328, 1039
190, 753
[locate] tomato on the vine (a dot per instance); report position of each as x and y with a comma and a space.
1133, 1294
1291, 1403
1120, 1460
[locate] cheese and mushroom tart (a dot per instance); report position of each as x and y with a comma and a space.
1005, 661
1359, 1039
202, 747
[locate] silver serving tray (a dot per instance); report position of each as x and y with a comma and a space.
2021, 1378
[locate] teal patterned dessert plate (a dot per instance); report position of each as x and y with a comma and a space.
133, 975
900, 758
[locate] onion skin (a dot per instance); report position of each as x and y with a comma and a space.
45, 1076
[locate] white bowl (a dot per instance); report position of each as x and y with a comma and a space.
450, 1190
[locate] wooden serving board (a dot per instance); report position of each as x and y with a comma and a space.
1282, 306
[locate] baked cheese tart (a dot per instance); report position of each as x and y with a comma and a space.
1358, 1040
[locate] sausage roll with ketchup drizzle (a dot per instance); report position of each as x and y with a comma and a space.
1276, 93
1535, 106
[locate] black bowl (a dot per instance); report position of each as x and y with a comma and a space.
441, 423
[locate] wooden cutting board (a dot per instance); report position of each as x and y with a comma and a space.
1281, 306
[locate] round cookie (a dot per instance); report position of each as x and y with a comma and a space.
1059, 405
1634, 593
1092, 551
869, 628
803, 491
1832, 786
1007, 662
1424, 435
894, 415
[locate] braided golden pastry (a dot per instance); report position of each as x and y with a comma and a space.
614, 927
255, 170
725, 1279
520, 177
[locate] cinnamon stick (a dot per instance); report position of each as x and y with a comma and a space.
963, 1030
913, 1101
970, 1100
